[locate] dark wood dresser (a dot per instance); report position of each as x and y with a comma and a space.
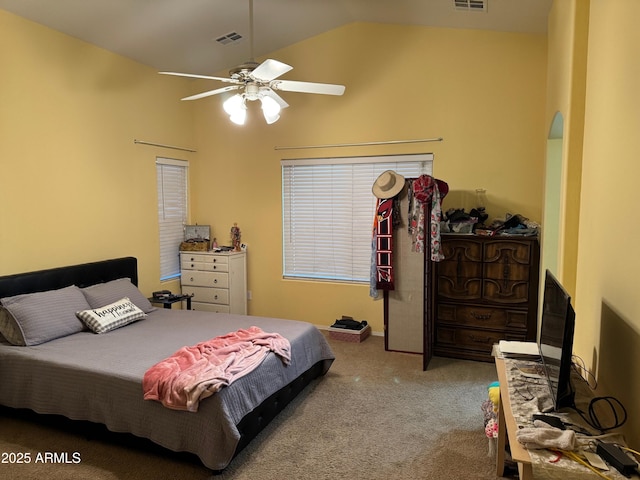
485, 290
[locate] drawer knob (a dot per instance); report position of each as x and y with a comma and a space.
192, 259
192, 265
481, 316
215, 297
191, 279
215, 266
215, 280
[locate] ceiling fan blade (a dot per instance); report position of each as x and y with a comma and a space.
205, 77
270, 93
270, 69
307, 87
211, 92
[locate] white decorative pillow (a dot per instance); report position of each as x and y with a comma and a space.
112, 316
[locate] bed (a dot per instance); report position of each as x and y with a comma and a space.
82, 375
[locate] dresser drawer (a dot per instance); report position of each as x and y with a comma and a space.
458, 268
505, 291
514, 252
205, 279
459, 288
208, 295
202, 258
469, 338
205, 266
506, 270
484, 317
210, 307
462, 250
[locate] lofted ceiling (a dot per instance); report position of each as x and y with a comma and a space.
181, 35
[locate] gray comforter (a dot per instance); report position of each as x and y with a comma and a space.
99, 378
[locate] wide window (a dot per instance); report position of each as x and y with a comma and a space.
172, 213
327, 213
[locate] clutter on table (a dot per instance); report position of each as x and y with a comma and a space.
457, 220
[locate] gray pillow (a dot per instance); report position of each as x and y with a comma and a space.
44, 316
9, 328
103, 294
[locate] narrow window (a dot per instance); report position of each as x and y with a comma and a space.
172, 212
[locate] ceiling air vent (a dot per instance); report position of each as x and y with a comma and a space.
232, 37
471, 5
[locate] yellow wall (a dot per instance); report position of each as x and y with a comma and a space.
608, 310
78, 189
568, 31
483, 92
73, 185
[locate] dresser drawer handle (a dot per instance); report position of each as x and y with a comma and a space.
481, 316
192, 265
191, 279
215, 297
215, 260
473, 338
215, 280
215, 266
193, 259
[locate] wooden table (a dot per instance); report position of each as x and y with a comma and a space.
507, 429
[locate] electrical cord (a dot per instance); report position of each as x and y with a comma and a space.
593, 420
580, 367
615, 406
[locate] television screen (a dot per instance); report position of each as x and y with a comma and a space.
555, 341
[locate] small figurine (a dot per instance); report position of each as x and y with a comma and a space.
235, 237
215, 243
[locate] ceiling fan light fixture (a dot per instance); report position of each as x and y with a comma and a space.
236, 109
233, 104
239, 117
270, 107
258, 81
271, 118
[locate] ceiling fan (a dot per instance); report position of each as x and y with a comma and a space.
258, 81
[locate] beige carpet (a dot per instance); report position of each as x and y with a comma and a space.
375, 415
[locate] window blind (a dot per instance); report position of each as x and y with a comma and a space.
328, 212
172, 213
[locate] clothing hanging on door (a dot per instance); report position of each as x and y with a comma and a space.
426, 191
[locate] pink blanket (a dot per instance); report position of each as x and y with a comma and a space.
194, 373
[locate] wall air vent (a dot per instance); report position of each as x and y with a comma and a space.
471, 5
232, 37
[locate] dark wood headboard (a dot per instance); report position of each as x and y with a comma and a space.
81, 275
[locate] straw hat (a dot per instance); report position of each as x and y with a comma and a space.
388, 184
